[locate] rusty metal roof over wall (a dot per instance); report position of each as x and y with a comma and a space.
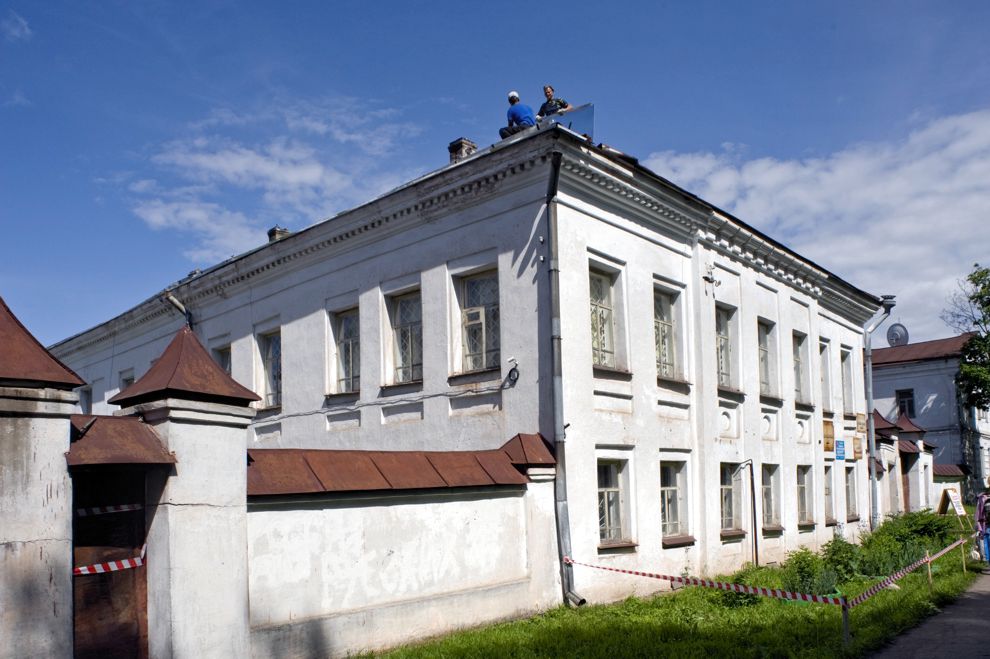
309, 471
185, 370
24, 361
907, 425
950, 471
922, 351
882, 425
106, 440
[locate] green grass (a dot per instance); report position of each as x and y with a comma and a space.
697, 622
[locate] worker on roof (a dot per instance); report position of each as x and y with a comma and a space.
553, 105
520, 116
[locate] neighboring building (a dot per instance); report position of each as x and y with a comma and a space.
688, 348
905, 468
918, 381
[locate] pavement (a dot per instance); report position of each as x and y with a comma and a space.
960, 631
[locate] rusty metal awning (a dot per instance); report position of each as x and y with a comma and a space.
307, 471
112, 440
950, 471
907, 446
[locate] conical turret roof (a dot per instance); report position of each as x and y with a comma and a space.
25, 362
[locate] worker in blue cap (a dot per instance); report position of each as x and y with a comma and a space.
520, 116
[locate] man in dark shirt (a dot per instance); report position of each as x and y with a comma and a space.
520, 116
553, 105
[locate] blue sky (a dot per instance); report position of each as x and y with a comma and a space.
143, 140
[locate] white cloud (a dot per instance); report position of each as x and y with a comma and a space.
15, 28
221, 233
17, 100
907, 217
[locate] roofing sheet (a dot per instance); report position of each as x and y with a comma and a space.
881, 423
97, 440
186, 370
922, 351
907, 446
907, 425
950, 471
24, 360
304, 471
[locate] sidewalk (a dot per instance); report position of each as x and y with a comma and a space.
960, 631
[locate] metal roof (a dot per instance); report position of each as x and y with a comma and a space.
922, 351
907, 425
950, 471
186, 371
907, 446
105, 440
308, 471
24, 361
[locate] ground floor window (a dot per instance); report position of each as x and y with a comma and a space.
730, 491
805, 501
673, 511
851, 492
827, 491
612, 525
770, 483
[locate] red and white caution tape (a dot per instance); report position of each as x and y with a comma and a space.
103, 510
721, 585
112, 566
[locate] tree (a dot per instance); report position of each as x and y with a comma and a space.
969, 311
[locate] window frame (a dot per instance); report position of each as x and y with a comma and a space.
398, 366
904, 399
852, 505
271, 371
347, 348
665, 333
676, 492
725, 347
766, 343
606, 525
805, 491
603, 331
224, 357
799, 349
825, 373
770, 488
828, 487
734, 490
846, 364
490, 317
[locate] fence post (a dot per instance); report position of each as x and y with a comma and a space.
845, 622
962, 552
928, 561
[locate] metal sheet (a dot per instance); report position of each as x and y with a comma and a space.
280, 471
459, 469
99, 440
343, 471
24, 360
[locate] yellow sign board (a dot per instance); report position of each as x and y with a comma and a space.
861, 423
857, 446
828, 431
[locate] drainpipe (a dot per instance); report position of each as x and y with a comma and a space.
888, 304
174, 301
752, 503
559, 428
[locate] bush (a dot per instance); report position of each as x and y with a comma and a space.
842, 557
806, 572
880, 554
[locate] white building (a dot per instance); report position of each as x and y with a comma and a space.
452, 314
917, 380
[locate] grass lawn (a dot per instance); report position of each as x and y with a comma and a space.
696, 622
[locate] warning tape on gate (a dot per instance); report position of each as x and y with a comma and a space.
876, 588
112, 566
103, 510
722, 585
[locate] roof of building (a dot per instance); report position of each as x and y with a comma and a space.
24, 361
907, 446
921, 351
105, 440
907, 425
280, 249
950, 471
186, 371
309, 471
881, 424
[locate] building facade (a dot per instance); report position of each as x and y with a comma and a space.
543, 286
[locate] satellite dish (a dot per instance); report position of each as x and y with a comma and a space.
897, 335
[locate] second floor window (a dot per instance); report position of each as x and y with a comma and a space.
723, 346
407, 332
480, 322
348, 334
663, 330
800, 368
271, 363
845, 359
825, 374
905, 402
602, 320
222, 357
763, 334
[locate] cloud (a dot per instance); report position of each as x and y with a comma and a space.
291, 163
906, 217
14, 28
222, 233
17, 100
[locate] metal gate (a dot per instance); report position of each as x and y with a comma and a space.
110, 589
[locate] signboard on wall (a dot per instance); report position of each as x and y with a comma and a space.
860, 423
828, 431
840, 449
857, 446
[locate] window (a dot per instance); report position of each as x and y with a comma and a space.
673, 513
222, 357
827, 488
850, 492
925, 480
804, 495
723, 346
845, 357
480, 322
764, 334
270, 346
800, 368
771, 495
892, 490
602, 320
611, 503
731, 496
663, 331
86, 400
407, 336
126, 378
347, 331
905, 402
825, 374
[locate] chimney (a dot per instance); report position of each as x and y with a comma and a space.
277, 233
461, 148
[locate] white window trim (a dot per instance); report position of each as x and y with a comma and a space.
337, 379
846, 368
771, 387
735, 496
828, 492
730, 341
680, 491
852, 504
805, 494
627, 486
614, 271
825, 373
269, 398
773, 488
802, 385
391, 346
491, 356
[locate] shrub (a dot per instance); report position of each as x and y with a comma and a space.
842, 557
806, 572
880, 554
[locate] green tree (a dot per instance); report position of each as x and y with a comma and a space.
969, 311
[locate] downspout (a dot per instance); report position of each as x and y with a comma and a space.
174, 301
888, 304
559, 428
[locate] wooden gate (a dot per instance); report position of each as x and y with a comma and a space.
111, 609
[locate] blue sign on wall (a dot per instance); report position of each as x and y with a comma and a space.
840, 449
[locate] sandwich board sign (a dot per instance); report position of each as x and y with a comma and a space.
950, 497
